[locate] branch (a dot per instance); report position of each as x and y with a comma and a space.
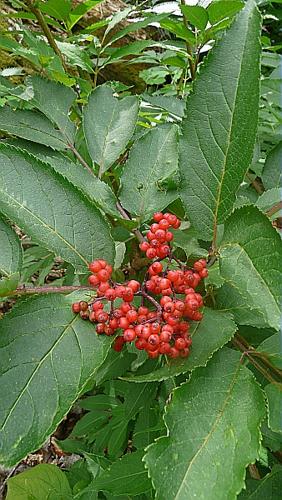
261, 363
274, 209
125, 215
45, 28
256, 184
23, 290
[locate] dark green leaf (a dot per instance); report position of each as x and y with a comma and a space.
127, 476
42, 481
137, 25
208, 336
178, 29
274, 397
48, 355
54, 101
209, 422
32, 126
267, 488
223, 8
97, 191
108, 125
197, 15
272, 347
11, 250
59, 10
250, 258
272, 172
51, 210
140, 192
219, 130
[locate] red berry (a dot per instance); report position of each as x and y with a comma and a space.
158, 216
129, 335
118, 344
95, 266
76, 307
151, 253
144, 246
83, 305
134, 285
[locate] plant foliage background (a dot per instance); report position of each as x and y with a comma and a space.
106, 118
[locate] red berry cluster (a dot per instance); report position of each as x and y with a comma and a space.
163, 329
159, 237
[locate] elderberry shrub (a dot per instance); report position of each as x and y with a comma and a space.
169, 291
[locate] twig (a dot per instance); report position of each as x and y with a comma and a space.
23, 290
188, 47
125, 215
262, 364
274, 209
45, 28
256, 184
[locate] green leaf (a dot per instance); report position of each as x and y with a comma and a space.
272, 347
209, 335
48, 355
136, 26
108, 125
11, 250
269, 487
209, 422
229, 299
126, 476
269, 199
51, 210
272, 172
197, 15
32, 126
41, 481
131, 48
78, 12
9, 284
221, 9
115, 365
96, 190
54, 101
178, 29
140, 192
219, 130
274, 397
250, 257
60, 10
117, 18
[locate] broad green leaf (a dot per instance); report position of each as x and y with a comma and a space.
9, 284
178, 29
229, 299
209, 335
126, 476
250, 257
115, 365
135, 26
76, 55
131, 48
223, 8
267, 488
147, 427
269, 199
171, 104
274, 398
209, 421
196, 14
272, 172
59, 10
152, 158
272, 347
108, 125
219, 130
117, 18
96, 190
42, 481
48, 355
78, 12
32, 126
51, 210
11, 250
54, 101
